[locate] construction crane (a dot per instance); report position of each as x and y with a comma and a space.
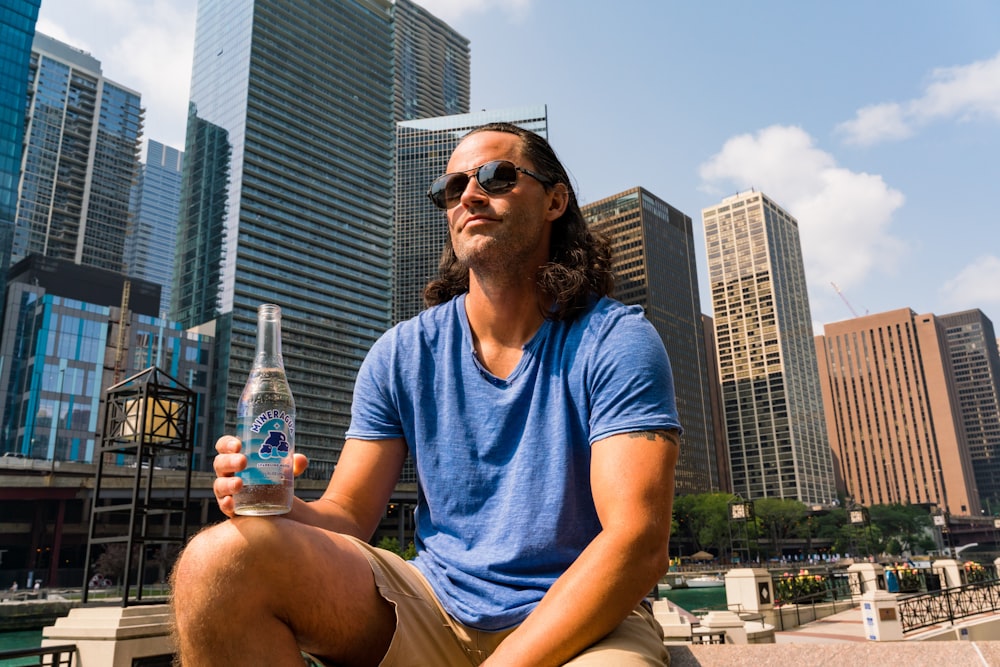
844, 299
122, 330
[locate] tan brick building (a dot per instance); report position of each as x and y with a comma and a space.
891, 412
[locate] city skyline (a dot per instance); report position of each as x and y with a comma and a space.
900, 125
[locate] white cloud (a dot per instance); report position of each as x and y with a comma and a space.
965, 92
975, 286
844, 216
880, 122
451, 10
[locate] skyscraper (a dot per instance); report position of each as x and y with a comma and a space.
423, 148
892, 412
153, 228
17, 28
81, 149
975, 363
654, 265
287, 197
431, 62
771, 397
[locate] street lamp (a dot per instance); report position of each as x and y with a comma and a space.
741, 513
941, 521
858, 516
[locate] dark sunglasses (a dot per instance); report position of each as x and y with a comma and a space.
497, 177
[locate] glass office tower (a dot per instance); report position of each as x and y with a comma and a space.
423, 148
975, 363
81, 155
61, 345
17, 29
431, 62
773, 406
654, 265
153, 228
287, 194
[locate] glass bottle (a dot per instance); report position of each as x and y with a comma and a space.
265, 421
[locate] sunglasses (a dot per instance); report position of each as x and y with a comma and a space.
497, 177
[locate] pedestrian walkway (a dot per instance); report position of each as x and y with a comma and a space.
843, 627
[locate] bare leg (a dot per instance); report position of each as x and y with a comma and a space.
252, 591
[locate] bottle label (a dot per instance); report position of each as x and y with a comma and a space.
268, 446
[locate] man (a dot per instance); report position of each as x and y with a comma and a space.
541, 420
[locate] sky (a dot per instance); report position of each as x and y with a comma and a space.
875, 124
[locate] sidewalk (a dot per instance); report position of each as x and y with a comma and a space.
843, 627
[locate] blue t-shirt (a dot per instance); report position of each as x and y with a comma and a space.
504, 504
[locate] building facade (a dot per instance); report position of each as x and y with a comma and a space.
66, 339
287, 197
17, 27
975, 366
153, 229
771, 398
892, 412
423, 148
654, 266
431, 62
81, 156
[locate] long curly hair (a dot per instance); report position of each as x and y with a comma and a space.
579, 266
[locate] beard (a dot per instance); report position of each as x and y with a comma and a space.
509, 248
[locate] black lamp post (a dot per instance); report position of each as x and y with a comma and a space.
858, 516
741, 515
148, 418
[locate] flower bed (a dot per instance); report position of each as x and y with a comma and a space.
975, 572
792, 588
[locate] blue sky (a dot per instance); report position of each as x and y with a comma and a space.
876, 124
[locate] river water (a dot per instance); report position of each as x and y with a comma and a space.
695, 599
21, 639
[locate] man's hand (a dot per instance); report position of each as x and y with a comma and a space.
228, 461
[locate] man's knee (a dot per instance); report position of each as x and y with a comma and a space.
226, 549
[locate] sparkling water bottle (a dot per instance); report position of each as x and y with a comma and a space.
265, 420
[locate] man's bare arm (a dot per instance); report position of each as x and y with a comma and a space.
632, 477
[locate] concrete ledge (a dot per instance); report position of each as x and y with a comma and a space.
883, 654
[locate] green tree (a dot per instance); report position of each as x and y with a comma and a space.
780, 519
906, 524
702, 521
392, 544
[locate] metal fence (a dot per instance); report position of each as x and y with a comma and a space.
50, 656
926, 609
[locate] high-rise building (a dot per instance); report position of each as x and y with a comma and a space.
81, 156
62, 349
892, 412
771, 397
654, 265
975, 365
431, 62
287, 196
17, 28
153, 229
423, 148
715, 405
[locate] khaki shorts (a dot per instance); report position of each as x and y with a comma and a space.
427, 635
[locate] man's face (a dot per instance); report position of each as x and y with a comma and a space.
500, 234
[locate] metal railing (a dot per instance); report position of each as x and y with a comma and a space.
50, 656
950, 604
837, 590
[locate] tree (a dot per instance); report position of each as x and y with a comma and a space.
907, 524
111, 563
780, 519
703, 521
392, 544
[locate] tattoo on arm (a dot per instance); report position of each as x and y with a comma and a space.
667, 434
